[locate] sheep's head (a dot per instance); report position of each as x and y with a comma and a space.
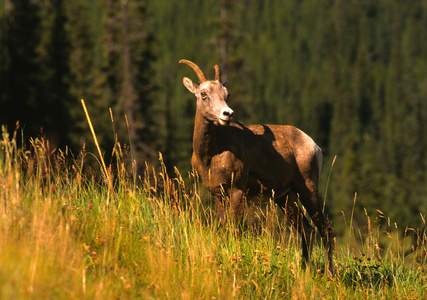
211, 96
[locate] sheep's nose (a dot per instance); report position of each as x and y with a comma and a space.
227, 114
225, 117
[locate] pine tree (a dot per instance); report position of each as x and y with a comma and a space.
128, 57
83, 79
54, 52
20, 81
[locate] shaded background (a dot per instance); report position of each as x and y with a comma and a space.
350, 73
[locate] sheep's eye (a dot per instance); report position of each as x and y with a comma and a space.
204, 95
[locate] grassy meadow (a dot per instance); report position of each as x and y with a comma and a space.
66, 234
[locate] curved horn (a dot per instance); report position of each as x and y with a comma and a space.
196, 69
217, 77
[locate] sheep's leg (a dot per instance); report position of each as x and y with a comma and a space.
328, 238
289, 204
327, 233
229, 202
237, 205
220, 207
309, 198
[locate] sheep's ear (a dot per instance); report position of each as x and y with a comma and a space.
189, 85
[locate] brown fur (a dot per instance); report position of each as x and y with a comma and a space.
243, 160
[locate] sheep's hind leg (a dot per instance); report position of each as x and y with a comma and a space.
289, 204
310, 199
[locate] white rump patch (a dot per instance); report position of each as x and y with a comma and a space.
310, 149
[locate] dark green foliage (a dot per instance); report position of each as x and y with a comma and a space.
352, 74
368, 273
20, 81
126, 43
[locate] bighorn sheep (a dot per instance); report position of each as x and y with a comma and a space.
244, 160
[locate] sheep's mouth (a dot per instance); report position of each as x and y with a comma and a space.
224, 122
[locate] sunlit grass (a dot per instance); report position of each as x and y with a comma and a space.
65, 234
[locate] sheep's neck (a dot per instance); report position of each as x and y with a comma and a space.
204, 139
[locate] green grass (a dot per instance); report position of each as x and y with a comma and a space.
65, 235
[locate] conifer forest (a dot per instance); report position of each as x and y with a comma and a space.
352, 74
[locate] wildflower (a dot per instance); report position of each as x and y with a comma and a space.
90, 206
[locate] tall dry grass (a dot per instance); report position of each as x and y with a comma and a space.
64, 233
